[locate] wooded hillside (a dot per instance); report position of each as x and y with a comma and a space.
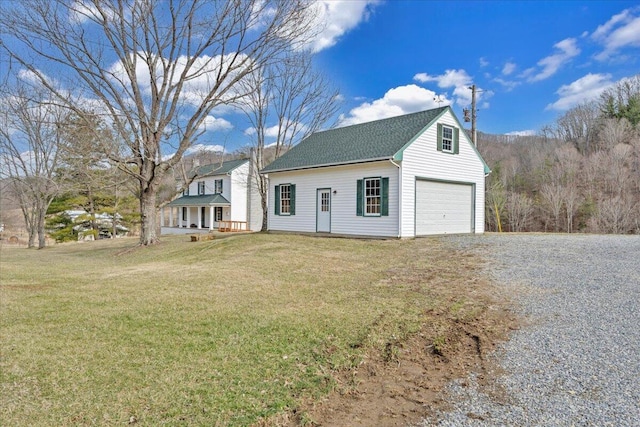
581, 174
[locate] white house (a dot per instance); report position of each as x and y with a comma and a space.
412, 175
221, 195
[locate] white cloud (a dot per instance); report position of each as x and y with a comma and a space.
483, 62
459, 80
508, 68
334, 18
291, 130
584, 89
450, 78
527, 132
508, 84
622, 30
566, 50
198, 148
397, 101
212, 124
199, 80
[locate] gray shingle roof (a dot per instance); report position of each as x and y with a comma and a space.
219, 168
380, 139
206, 200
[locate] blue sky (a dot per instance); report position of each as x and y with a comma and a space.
534, 60
531, 60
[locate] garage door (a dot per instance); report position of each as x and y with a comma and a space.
444, 208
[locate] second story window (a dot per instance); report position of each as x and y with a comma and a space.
200, 188
218, 186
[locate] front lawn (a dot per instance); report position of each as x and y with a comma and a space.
223, 332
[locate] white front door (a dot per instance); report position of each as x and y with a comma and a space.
323, 207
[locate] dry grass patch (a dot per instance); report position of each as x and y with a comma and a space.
237, 331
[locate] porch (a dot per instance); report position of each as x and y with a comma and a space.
191, 213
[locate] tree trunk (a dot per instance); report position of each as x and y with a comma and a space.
41, 232
263, 189
265, 212
31, 229
148, 232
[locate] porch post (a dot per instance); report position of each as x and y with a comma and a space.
210, 218
180, 218
199, 217
171, 216
188, 216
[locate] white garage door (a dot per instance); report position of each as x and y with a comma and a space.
443, 208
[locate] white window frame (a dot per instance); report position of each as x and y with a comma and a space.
447, 142
285, 189
217, 186
201, 188
371, 192
217, 213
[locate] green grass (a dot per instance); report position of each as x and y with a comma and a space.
223, 332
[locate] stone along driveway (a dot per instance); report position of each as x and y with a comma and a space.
576, 360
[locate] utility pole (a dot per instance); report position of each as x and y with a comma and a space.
472, 119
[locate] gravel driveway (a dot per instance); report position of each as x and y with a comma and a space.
576, 360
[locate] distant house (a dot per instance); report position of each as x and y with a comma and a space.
221, 193
83, 222
412, 175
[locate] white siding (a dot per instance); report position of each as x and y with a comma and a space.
422, 160
342, 180
238, 194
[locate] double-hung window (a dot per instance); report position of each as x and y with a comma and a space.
218, 186
372, 200
200, 188
285, 199
372, 196
447, 139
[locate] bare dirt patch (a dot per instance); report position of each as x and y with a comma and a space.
403, 383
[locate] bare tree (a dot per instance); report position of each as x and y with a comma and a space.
552, 201
156, 69
30, 137
578, 126
286, 102
519, 209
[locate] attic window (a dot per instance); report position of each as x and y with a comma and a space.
447, 139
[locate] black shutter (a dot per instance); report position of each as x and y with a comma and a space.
292, 206
277, 200
384, 207
439, 137
359, 199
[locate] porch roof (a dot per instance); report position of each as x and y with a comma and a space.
204, 200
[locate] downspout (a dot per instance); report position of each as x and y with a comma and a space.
399, 197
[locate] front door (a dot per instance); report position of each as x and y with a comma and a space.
323, 207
